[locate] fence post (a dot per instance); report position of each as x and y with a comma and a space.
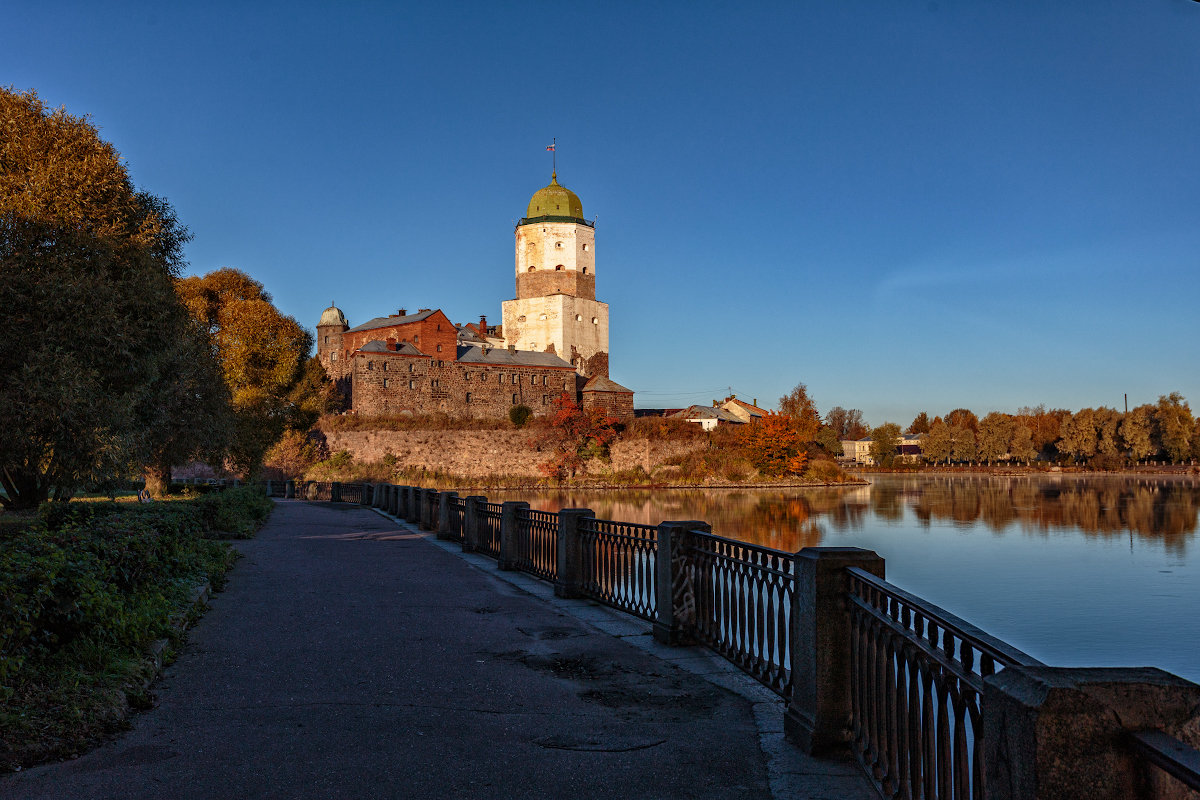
1063, 733
393, 499
818, 712
444, 501
335, 492
470, 541
411, 512
366, 497
428, 509
569, 580
270, 487
510, 529
675, 598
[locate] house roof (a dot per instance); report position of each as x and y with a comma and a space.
502, 356
383, 322
753, 409
602, 384
704, 412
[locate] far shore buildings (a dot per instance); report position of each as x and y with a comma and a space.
731, 411
553, 338
859, 450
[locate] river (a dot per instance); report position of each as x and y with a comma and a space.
1074, 571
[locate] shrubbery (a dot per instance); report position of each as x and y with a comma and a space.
86, 587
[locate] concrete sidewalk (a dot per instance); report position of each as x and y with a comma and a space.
352, 656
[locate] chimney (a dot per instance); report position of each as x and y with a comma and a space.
403, 313
482, 325
422, 310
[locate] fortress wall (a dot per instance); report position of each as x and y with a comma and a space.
481, 453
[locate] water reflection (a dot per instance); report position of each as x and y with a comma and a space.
1164, 510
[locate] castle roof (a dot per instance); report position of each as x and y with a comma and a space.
403, 348
382, 322
332, 316
555, 200
468, 354
603, 384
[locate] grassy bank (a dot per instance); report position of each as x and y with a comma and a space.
87, 587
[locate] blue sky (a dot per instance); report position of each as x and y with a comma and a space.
906, 205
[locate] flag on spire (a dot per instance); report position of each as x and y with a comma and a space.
550, 148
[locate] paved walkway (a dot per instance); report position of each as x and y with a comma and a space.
352, 656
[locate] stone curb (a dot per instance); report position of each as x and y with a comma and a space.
180, 623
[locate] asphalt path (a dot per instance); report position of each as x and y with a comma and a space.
350, 656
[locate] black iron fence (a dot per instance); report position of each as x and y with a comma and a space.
861, 663
536, 543
618, 564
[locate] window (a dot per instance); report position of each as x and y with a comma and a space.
595, 321
579, 317
468, 397
434, 383
439, 348
543, 380
533, 345
466, 376
326, 340
558, 268
370, 365
558, 245
386, 383
585, 270
585, 247
533, 380
543, 316
531, 268
416, 338
501, 377
439, 326
412, 384
333, 356
412, 367
515, 378
441, 363
385, 366
514, 399
545, 399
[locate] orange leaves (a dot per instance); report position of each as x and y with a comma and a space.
575, 435
775, 444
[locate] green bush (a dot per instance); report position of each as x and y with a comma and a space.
84, 589
519, 415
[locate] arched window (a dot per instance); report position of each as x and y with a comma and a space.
558, 268
585, 270
531, 268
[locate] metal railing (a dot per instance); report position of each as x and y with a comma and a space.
489, 532
456, 508
320, 491
618, 560
743, 599
537, 543
353, 492
1178, 759
916, 681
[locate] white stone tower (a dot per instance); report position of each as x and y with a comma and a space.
556, 308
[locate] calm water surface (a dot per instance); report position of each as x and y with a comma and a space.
1074, 571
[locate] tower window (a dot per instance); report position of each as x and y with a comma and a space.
585, 247
558, 245
585, 270
531, 268
468, 397
386, 383
370, 365
594, 321
333, 356
533, 380
579, 318
516, 378
558, 268
412, 367
412, 384
543, 316
385, 366
514, 399
533, 345
326, 340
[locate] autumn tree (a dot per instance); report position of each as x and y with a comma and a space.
1137, 432
962, 442
1108, 423
1174, 422
88, 305
920, 424
798, 407
847, 424
828, 440
262, 356
575, 436
885, 443
995, 435
774, 445
1077, 434
962, 418
939, 442
1021, 445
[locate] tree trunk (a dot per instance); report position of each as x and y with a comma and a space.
158, 480
24, 490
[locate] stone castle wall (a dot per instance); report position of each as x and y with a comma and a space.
394, 383
482, 453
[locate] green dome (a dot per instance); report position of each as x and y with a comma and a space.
555, 201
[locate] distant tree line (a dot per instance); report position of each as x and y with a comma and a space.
1101, 437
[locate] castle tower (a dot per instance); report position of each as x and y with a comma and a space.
329, 343
556, 308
